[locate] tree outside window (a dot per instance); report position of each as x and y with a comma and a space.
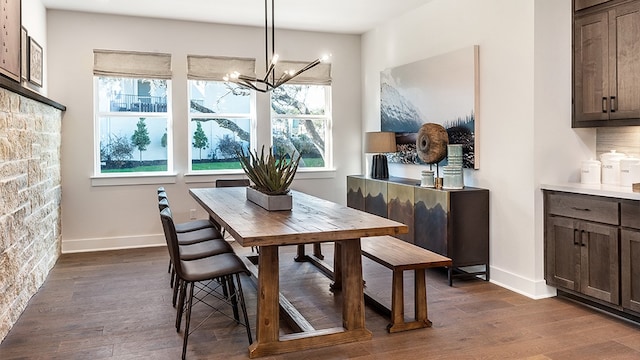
301, 123
220, 121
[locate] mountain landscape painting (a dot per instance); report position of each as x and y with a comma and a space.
442, 89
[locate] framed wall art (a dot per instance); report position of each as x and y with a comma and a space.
443, 90
24, 51
35, 62
10, 44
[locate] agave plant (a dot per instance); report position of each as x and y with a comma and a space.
270, 174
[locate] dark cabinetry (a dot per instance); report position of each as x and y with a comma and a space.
583, 4
592, 251
630, 255
452, 223
606, 83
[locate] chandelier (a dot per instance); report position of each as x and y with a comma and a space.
270, 80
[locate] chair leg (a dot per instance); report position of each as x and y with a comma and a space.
180, 308
187, 321
234, 297
243, 306
175, 292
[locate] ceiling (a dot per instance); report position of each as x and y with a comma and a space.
336, 16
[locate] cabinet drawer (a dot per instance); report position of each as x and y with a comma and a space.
584, 207
630, 214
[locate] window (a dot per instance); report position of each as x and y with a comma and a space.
220, 113
132, 113
301, 123
133, 124
219, 124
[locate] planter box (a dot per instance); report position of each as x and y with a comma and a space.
270, 202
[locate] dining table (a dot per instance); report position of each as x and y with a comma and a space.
311, 220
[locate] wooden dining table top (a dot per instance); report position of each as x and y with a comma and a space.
311, 219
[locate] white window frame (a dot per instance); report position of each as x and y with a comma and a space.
193, 115
98, 176
328, 136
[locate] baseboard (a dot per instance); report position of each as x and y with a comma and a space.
112, 243
534, 289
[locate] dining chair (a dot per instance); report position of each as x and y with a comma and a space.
193, 247
163, 201
206, 272
191, 234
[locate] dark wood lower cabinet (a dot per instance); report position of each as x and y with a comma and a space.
584, 257
630, 241
592, 252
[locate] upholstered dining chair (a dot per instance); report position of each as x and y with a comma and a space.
210, 271
163, 201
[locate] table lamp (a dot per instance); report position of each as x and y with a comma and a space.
378, 143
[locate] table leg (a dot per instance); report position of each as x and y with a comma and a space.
268, 319
353, 288
337, 266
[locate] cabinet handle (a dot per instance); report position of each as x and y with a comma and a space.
604, 104
575, 238
582, 243
580, 209
614, 104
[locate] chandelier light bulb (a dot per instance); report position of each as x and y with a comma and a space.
270, 80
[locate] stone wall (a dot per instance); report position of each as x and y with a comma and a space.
30, 193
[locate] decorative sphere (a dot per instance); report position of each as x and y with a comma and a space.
432, 142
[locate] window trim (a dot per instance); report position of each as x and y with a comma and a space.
328, 140
190, 116
97, 115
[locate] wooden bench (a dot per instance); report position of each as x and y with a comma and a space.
399, 255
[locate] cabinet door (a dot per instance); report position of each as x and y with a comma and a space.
599, 264
630, 256
562, 266
591, 67
624, 61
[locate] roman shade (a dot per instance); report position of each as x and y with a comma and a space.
215, 68
318, 75
131, 64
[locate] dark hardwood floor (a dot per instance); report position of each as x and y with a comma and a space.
117, 305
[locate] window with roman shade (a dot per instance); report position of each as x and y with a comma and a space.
301, 115
221, 115
132, 112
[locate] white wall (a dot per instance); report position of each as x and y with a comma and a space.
100, 217
524, 117
34, 19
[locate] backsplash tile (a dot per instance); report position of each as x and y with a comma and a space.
623, 139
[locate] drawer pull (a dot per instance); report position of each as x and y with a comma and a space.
580, 209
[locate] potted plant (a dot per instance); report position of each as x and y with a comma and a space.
271, 176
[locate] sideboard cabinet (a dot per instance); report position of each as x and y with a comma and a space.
592, 247
606, 63
452, 223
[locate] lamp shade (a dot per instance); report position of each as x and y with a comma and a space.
379, 142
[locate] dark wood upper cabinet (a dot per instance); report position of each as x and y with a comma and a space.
607, 64
583, 4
